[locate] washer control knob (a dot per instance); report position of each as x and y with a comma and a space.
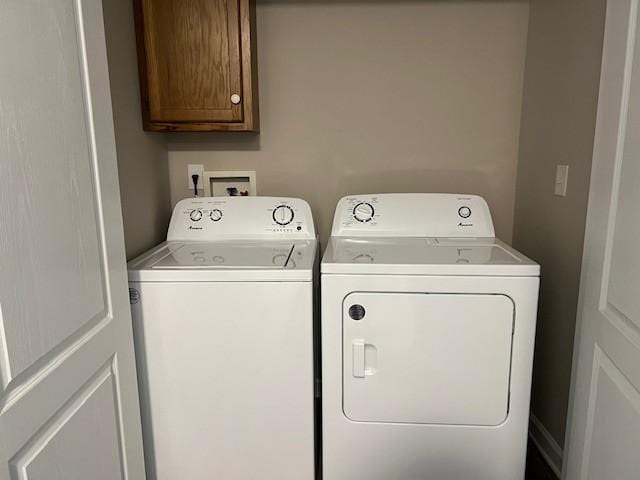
283, 215
215, 215
464, 212
363, 212
195, 215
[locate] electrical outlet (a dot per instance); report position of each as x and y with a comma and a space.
195, 170
562, 179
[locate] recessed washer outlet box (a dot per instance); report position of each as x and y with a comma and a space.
230, 183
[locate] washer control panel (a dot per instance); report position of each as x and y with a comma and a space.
413, 215
216, 218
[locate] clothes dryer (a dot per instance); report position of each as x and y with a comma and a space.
428, 326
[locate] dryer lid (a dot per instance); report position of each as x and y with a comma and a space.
425, 256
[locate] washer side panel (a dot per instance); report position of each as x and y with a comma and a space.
226, 373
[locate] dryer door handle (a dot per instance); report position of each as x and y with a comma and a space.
358, 358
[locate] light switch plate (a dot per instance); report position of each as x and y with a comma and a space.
562, 179
193, 170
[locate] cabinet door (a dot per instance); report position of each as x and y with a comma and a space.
427, 358
191, 61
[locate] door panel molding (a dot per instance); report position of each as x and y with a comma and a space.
618, 157
628, 327
603, 365
5, 367
14, 384
79, 204
42, 368
93, 156
21, 461
622, 350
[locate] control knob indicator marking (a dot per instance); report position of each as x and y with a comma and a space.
195, 215
363, 212
215, 215
283, 215
464, 212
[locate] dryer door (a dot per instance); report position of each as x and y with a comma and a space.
427, 358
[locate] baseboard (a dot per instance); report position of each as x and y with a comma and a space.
546, 444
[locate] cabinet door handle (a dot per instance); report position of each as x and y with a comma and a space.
235, 99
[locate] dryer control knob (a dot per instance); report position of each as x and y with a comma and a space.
464, 212
363, 212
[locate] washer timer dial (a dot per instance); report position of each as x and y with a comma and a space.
283, 215
215, 215
363, 212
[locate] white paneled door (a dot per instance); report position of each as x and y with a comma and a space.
603, 434
68, 398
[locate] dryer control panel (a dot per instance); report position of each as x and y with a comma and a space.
237, 218
412, 215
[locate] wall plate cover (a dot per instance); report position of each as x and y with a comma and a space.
197, 170
562, 179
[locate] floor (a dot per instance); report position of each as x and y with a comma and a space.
537, 467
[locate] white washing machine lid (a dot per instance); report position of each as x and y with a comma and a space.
425, 256
233, 239
227, 260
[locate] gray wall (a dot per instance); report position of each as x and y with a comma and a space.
142, 158
379, 96
558, 121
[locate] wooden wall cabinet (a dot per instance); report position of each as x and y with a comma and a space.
197, 66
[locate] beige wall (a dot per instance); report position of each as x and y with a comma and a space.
379, 96
142, 158
558, 121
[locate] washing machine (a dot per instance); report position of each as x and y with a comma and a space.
223, 325
428, 325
